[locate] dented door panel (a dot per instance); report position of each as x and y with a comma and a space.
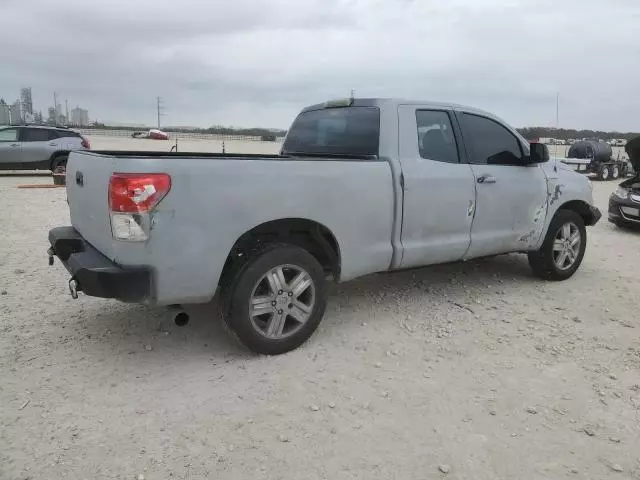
510, 213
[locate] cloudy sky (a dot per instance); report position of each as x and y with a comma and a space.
257, 62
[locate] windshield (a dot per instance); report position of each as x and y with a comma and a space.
349, 131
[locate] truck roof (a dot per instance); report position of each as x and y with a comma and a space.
394, 102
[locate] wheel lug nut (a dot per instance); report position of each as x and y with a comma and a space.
280, 312
291, 294
280, 292
273, 303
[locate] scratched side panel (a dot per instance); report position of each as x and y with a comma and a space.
564, 185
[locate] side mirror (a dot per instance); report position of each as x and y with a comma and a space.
539, 153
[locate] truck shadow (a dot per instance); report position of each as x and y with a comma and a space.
136, 330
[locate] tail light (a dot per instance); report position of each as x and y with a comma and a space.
132, 197
85, 143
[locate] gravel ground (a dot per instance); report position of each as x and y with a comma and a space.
467, 371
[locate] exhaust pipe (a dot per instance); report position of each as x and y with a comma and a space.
181, 318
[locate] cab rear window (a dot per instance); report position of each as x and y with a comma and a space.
349, 131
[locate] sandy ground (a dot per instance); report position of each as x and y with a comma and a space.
477, 370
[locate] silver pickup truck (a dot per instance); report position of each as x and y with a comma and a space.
360, 186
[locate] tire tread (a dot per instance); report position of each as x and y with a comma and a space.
541, 261
234, 296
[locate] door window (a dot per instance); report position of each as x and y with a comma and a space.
490, 142
436, 140
9, 135
35, 135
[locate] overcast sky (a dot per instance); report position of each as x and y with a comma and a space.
257, 62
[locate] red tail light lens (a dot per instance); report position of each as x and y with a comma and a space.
137, 192
85, 143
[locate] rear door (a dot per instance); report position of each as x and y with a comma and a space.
439, 188
10, 148
37, 146
511, 200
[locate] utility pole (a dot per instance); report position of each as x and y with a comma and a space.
66, 109
159, 108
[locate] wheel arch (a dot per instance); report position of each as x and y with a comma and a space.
311, 235
582, 208
55, 155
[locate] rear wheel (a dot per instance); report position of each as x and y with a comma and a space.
563, 248
623, 169
276, 300
604, 173
59, 164
615, 172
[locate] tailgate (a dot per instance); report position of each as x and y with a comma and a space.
87, 194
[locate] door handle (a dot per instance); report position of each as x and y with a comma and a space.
486, 179
53, 144
15, 145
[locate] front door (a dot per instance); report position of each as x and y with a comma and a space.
511, 197
10, 149
439, 189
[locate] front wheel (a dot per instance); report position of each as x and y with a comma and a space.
563, 248
277, 299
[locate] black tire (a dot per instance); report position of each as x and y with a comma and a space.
542, 261
59, 164
604, 173
615, 172
236, 298
624, 170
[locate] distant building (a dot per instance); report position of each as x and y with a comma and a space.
4, 112
51, 119
26, 100
60, 118
16, 113
79, 117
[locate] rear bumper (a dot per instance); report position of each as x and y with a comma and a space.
93, 273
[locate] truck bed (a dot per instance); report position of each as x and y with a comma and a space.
212, 204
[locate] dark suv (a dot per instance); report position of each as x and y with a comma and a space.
38, 148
